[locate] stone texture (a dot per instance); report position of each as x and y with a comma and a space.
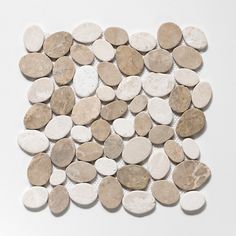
81, 133
105, 93
138, 104
105, 166
142, 123
116, 36
186, 77
100, 130
113, 146
82, 54
174, 151
123, 127
159, 134
191, 148
58, 177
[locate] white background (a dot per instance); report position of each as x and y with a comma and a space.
217, 19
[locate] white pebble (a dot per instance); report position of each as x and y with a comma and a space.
124, 127
81, 134
105, 166
186, 77
57, 177
105, 93
191, 149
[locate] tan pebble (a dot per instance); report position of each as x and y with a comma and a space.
63, 152
81, 115
190, 175
133, 177
39, 170
113, 146
37, 116
187, 57
138, 104
100, 129
116, 36
89, 151
105, 93
129, 61
82, 54
110, 192
190, 123
142, 123
58, 44
160, 134
174, 151
35, 65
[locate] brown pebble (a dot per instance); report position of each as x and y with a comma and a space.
113, 146
174, 151
190, 123
37, 116
129, 60
100, 129
39, 170
138, 104
160, 134
82, 54
116, 36
142, 123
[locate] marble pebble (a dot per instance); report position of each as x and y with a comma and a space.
159, 134
142, 123
82, 54
123, 127
113, 146
138, 104
191, 148
105, 93
186, 77
81, 134
105, 166
58, 177
174, 151
116, 36
100, 129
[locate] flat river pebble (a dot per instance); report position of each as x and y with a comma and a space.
191, 148
123, 127
81, 134
58, 177
105, 166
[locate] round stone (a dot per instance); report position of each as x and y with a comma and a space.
169, 35
40, 90
158, 60
105, 93
110, 192
105, 166
187, 57
138, 104
174, 151
81, 172
136, 150
165, 192
35, 65
157, 84
63, 152
160, 111
142, 123
58, 177
113, 146
129, 61
63, 70
191, 149
33, 38
58, 44
116, 36
190, 175
37, 116
85, 81
39, 169
87, 32
58, 127
81, 115
33, 141
186, 77
123, 127
100, 130
82, 54
81, 134
159, 134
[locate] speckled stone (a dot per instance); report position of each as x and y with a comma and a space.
100, 129
159, 134
174, 151
113, 146
142, 123
116, 36
138, 104
82, 54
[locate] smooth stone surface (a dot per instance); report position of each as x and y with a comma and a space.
33, 141
139, 202
129, 61
123, 127
142, 123
174, 151
81, 134
58, 127
138, 104
159, 134
33, 38
40, 90
165, 192
35, 65
100, 130
201, 95
110, 192
85, 81
190, 175
160, 111
63, 152
81, 115
158, 165
87, 32
35, 198
82, 54
89, 151
133, 177
83, 194
158, 60
58, 177
186, 77
80, 172
105, 93
191, 149
142, 41
113, 146
39, 169
187, 57
116, 36
157, 84
105, 166
129, 88
190, 123
37, 116
136, 150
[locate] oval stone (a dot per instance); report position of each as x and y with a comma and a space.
142, 123
82, 54
105, 166
81, 134
105, 93
138, 104
100, 130
123, 127
186, 77
160, 134
58, 177
113, 146
116, 36
191, 148
174, 151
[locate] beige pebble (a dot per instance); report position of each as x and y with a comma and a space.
174, 151
158, 60
190, 123
37, 116
105, 166
110, 192
169, 35
58, 44
138, 104
100, 129
39, 169
63, 70
58, 200
186, 77
35, 65
81, 172
81, 115
113, 146
82, 54
129, 61
123, 127
191, 149
190, 175
116, 36
81, 134
105, 93
89, 151
58, 177
142, 123
187, 57
63, 152
159, 134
